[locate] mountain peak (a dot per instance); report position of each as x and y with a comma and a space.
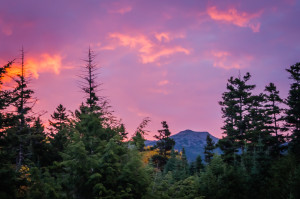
193, 135
192, 141
188, 131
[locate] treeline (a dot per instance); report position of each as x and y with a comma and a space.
86, 153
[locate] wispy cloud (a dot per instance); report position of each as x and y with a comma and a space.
226, 60
149, 51
241, 19
163, 82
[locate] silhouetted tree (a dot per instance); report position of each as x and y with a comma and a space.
235, 106
209, 149
293, 112
23, 102
59, 119
273, 115
164, 143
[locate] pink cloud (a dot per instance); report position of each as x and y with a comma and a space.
162, 36
138, 112
163, 82
226, 60
233, 16
164, 52
149, 51
159, 91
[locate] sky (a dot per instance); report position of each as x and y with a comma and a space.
168, 60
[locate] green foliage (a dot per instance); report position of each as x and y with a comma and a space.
208, 149
164, 144
138, 139
86, 154
44, 186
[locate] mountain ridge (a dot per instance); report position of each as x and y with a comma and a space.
192, 141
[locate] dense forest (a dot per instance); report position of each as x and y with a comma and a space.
87, 153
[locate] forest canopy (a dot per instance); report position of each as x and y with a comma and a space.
86, 153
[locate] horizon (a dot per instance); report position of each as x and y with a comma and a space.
169, 60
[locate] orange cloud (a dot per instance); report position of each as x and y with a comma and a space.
233, 16
46, 63
149, 51
35, 66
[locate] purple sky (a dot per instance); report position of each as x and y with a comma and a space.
168, 60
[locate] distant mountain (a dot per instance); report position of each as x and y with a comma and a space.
193, 143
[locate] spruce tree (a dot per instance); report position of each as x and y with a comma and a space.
257, 125
5, 96
293, 112
59, 119
199, 164
23, 103
164, 145
274, 118
235, 106
209, 149
8, 188
90, 84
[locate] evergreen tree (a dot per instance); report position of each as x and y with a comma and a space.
257, 128
59, 132
59, 119
89, 84
138, 139
5, 96
199, 164
209, 149
23, 102
8, 188
235, 106
38, 146
293, 112
164, 145
274, 118
171, 163
181, 170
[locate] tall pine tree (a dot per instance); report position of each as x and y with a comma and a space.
235, 106
293, 112
23, 103
273, 115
